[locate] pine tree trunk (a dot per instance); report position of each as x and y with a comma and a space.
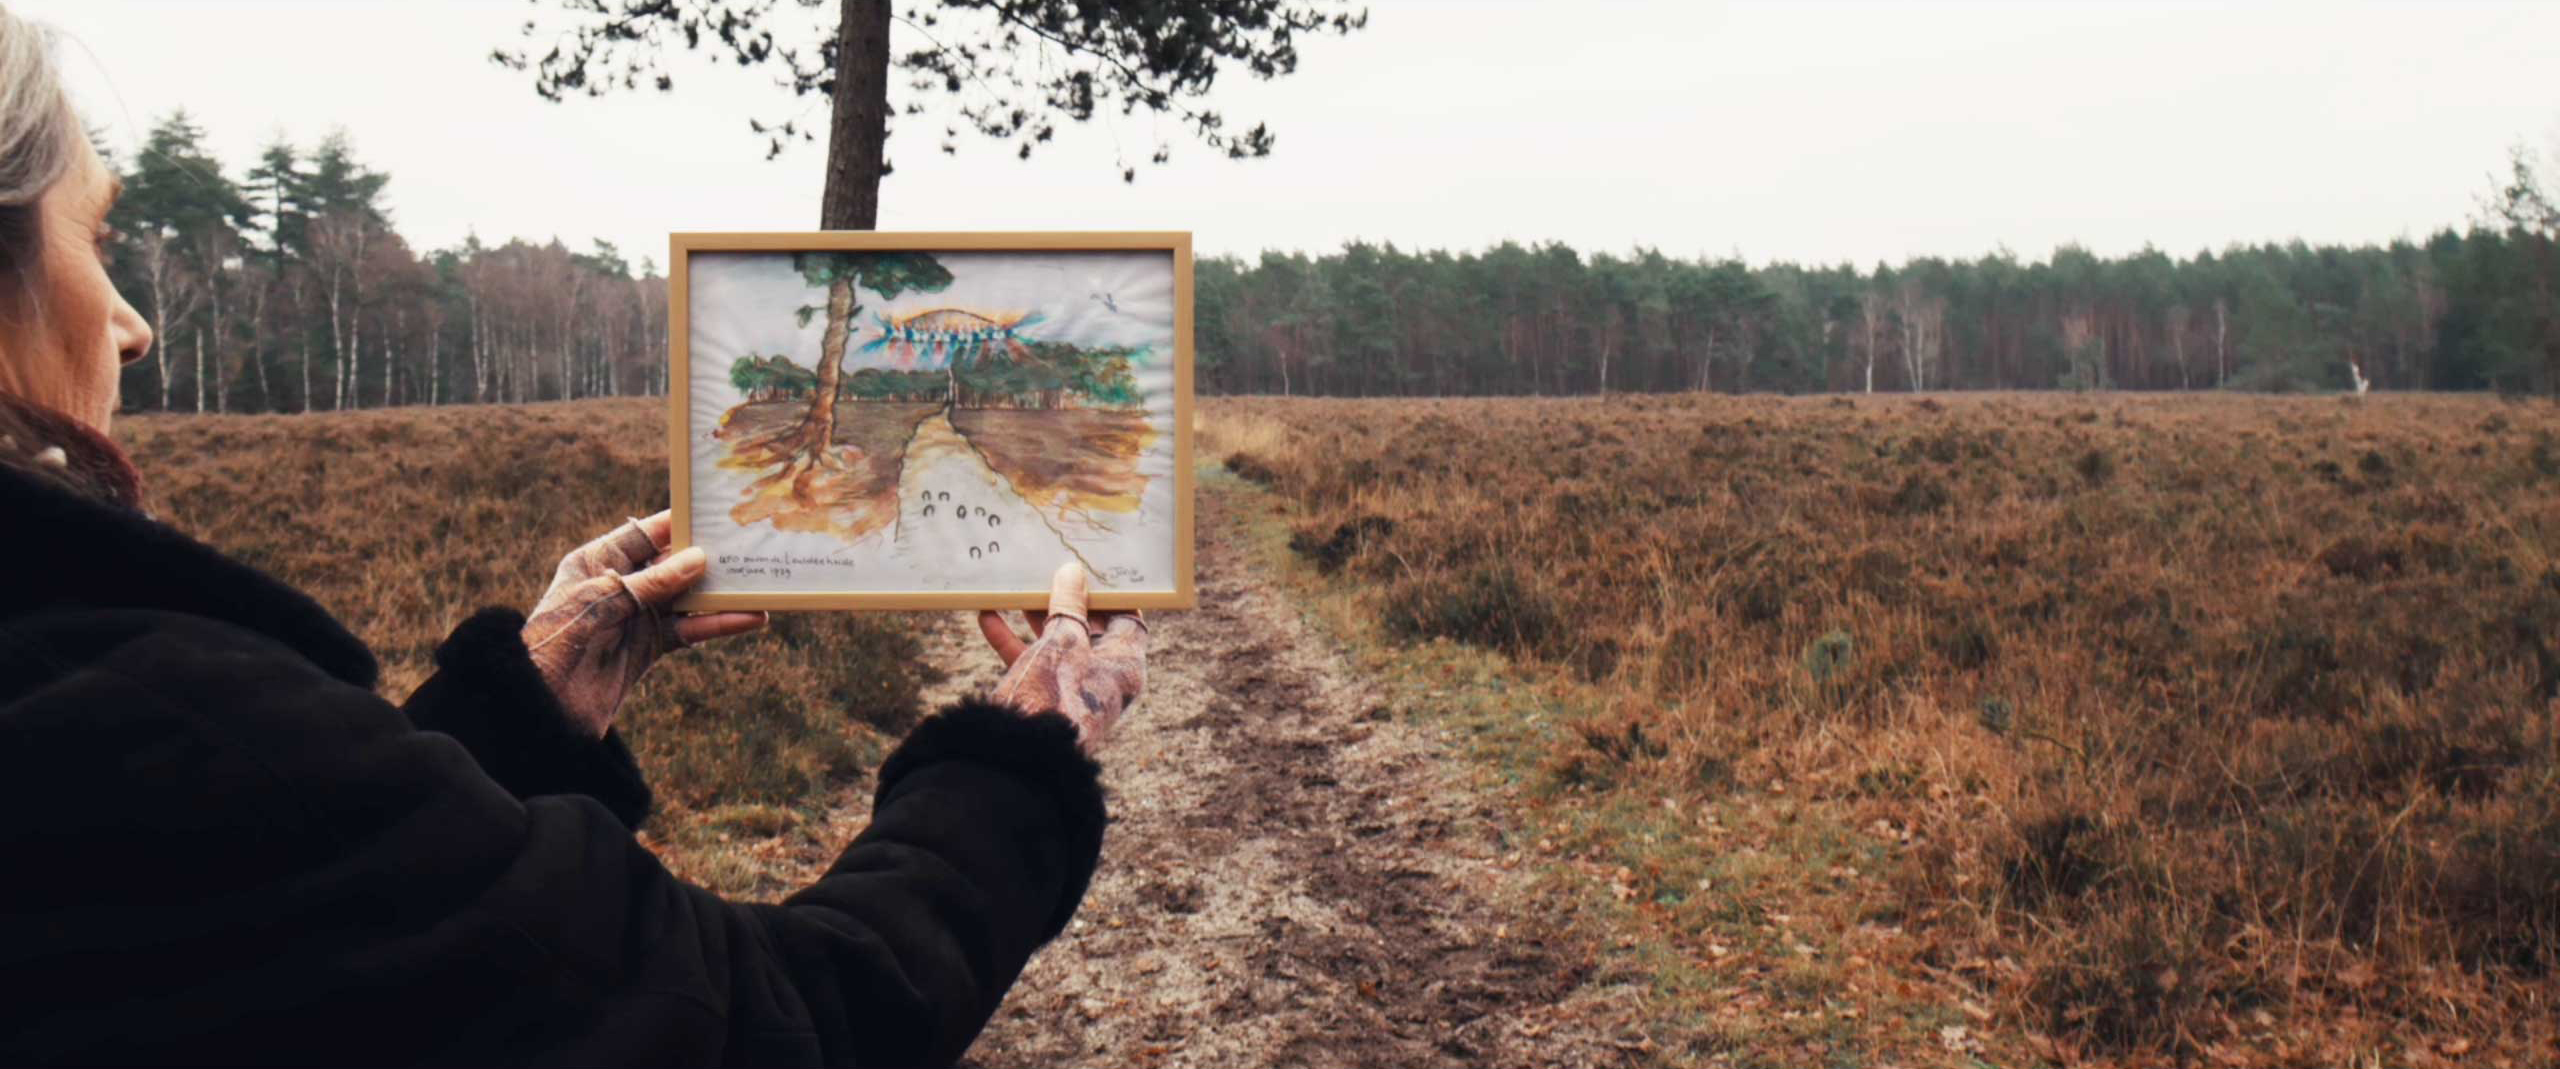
858, 129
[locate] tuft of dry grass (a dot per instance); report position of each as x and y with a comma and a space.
404, 521
2205, 728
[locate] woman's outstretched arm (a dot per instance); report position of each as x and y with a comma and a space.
534, 700
277, 866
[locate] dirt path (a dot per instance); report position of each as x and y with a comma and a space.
1291, 876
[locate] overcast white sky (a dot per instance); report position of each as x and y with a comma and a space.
1813, 131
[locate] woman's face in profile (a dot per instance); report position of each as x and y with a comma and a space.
67, 353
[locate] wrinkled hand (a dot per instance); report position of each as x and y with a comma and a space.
605, 619
1088, 667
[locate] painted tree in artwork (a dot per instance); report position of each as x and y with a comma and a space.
811, 478
888, 274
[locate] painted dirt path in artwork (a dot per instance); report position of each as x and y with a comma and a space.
978, 498
960, 518
1292, 876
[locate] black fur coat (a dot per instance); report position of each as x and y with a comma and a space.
220, 846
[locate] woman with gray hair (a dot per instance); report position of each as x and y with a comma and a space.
224, 847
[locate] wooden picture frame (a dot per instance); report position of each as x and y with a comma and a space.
940, 340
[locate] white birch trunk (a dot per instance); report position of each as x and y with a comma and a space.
337, 345
2221, 334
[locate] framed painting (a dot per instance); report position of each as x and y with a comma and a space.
867, 420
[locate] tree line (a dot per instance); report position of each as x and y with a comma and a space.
1056, 375
287, 288
2470, 308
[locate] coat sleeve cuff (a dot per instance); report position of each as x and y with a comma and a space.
1038, 750
488, 696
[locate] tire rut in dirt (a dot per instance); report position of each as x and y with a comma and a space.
1419, 971
1291, 876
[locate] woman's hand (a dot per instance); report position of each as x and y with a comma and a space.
605, 620
1088, 667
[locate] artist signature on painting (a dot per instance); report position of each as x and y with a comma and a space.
778, 566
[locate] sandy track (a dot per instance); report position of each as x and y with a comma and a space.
1291, 877
987, 534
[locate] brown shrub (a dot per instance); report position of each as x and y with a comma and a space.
1919, 495
2501, 885
2360, 557
1965, 644
1489, 606
2060, 857
1251, 469
1685, 660
2137, 982
1330, 552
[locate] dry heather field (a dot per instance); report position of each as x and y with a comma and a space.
2023, 728
2211, 729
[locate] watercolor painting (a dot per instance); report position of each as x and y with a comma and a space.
902, 420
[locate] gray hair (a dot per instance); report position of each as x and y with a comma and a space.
39, 140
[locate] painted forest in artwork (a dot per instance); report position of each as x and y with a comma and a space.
910, 405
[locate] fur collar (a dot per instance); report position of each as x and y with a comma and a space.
59, 550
